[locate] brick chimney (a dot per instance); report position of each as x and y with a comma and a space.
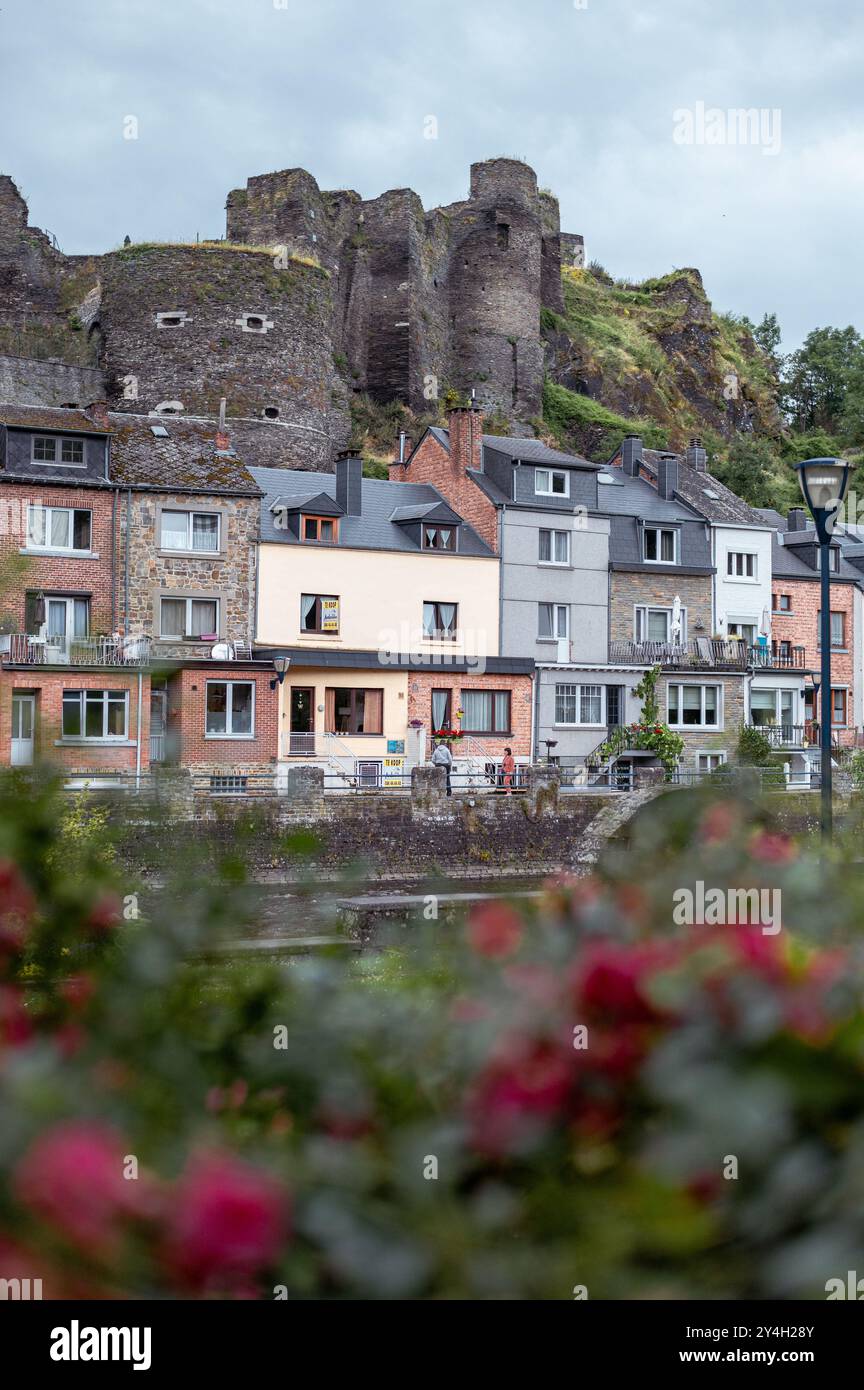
631, 455
466, 439
696, 456
98, 413
223, 438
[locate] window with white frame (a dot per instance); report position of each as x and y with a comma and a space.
196, 531
59, 528
551, 482
188, 617
694, 706
230, 709
553, 621
52, 449
740, 564
709, 762
554, 547
660, 545
580, 704
95, 714
770, 707
834, 559
655, 624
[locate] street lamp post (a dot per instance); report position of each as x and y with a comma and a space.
823, 484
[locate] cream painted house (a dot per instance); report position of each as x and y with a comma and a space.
384, 600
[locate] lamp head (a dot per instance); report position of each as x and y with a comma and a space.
823, 485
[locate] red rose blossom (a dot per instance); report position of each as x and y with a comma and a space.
494, 930
227, 1223
72, 1177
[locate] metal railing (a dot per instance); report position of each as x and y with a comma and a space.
26, 650
705, 653
785, 735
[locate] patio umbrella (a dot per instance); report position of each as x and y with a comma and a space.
675, 628
39, 610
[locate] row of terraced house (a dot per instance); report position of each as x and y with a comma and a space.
164, 601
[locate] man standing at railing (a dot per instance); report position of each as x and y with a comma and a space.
442, 757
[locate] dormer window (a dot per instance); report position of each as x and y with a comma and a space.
834, 559
551, 482
439, 537
320, 528
50, 449
660, 545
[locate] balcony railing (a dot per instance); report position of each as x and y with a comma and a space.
793, 735
24, 650
704, 653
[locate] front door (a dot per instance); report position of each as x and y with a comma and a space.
158, 720
23, 727
301, 734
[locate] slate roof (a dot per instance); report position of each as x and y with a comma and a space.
706, 494
375, 528
41, 417
627, 496
530, 450
185, 460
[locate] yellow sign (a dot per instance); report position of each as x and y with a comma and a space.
393, 771
329, 615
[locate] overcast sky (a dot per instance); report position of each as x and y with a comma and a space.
586, 91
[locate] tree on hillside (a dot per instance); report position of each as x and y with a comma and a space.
767, 335
750, 468
819, 377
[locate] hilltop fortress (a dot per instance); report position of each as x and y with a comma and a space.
312, 295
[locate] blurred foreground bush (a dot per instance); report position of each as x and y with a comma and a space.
583, 1095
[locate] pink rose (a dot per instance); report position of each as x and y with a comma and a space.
227, 1223
72, 1177
494, 930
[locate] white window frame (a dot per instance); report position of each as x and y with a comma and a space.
778, 692
229, 734
577, 687
190, 549
674, 531
640, 613
94, 738
188, 599
557, 609
47, 548
719, 753
737, 564
696, 685
550, 474
553, 535
58, 460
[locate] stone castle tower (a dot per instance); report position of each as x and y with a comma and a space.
373, 296
423, 300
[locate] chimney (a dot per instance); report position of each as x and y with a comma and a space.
98, 413
223, 439
349, 482
397, 468
466, 439
631, 455
796, 520
697, 457
667, 476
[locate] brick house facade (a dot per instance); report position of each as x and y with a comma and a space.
519, 688
796, 604
445, 461
209, 753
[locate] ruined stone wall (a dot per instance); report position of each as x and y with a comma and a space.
281, 360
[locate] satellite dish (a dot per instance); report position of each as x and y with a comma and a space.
222, 651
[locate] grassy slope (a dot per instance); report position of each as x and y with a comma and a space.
654, 360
